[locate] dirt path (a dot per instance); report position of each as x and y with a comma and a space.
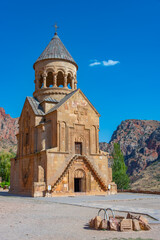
32, 218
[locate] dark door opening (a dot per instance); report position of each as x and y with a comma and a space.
77, 184
78, 148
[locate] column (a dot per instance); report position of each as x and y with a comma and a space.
72, 83
75, 84
55, 80
43, 138
44, 79
65, 81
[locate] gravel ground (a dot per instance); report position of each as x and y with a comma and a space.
24, 218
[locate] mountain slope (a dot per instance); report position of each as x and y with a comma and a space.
139, 141
148, 179
8, 130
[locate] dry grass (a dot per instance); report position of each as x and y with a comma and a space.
148, 179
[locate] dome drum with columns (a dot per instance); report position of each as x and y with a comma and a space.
55, 72
54, 77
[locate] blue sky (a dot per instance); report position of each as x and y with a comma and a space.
126, 31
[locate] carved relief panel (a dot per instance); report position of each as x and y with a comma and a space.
78, 134
79, 171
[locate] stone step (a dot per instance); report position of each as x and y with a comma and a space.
69, 164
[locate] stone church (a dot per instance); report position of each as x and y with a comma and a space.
58, 140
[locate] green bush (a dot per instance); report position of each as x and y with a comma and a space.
5, 165
3, 184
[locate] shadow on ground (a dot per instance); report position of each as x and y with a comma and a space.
7, 194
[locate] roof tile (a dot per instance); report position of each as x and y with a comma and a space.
56, 50
37, 108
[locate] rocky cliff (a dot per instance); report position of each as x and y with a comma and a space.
139, 141
8, 131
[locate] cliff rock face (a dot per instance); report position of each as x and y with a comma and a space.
8, 130
139, 141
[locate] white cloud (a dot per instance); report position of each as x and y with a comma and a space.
104, 63
110, 63
94, 64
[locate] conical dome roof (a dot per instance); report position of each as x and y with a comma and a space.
56, 50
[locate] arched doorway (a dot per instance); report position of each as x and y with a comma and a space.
79, 181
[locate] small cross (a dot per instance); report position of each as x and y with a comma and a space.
80, 113
55, 26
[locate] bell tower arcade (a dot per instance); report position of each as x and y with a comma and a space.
55, 72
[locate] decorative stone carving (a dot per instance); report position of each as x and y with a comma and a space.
79, 173
80, 112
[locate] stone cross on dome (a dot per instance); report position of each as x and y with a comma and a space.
55, 26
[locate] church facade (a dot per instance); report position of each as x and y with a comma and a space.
58, 140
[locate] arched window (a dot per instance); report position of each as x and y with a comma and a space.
60, 79
69, 81
49, 80
41, 81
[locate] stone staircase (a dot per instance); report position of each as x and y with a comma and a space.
55, 177
96, 171
68, 163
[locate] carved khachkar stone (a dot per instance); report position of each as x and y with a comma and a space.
126, 225
58, 142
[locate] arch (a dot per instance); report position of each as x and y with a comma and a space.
40, 85
50, 69
79, 173
70, 72
61, 70
49, 79
69, 80
60, 79
39, 72
79, 180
